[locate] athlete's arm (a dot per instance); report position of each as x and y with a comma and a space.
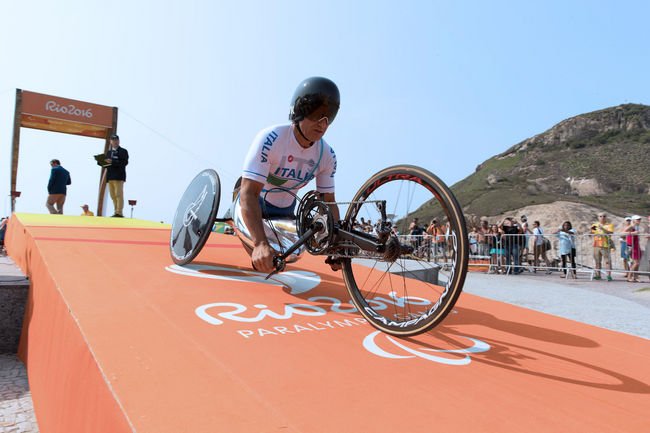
328, 197
262, 255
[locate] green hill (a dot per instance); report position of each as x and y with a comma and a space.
600, 159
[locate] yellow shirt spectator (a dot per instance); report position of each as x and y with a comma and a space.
602, 231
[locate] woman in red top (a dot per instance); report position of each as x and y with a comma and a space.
634, 244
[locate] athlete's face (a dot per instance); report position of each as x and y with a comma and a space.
315, 125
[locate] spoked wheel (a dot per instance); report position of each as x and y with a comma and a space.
194, 217
413, 288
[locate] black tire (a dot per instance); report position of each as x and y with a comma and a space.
194, 217
370, 292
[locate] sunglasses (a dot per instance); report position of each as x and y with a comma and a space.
318, 119
324, 113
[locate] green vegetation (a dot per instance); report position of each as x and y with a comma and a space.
608, 146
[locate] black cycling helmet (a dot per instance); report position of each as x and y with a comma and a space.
311, 94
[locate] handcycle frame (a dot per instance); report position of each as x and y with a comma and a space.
337, 238
340, 241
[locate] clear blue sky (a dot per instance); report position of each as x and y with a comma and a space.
441, 84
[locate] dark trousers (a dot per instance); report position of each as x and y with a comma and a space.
512, 251
572, 257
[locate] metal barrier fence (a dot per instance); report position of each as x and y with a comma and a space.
513, 254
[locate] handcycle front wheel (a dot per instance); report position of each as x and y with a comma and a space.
413, 290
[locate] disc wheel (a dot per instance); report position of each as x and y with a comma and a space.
194, 217
410, 289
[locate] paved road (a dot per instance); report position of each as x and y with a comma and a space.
16, 410
616, 305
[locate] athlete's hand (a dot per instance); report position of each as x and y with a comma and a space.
262, 257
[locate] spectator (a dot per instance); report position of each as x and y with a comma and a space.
483, 231
449, 240
602, 231
496, 251
86, 211
57, 187
416, 231
510, 241
634, 243
438, 239
625, 252
118, 157
528, 234
473, 241
647, 246
430, 236
567, 236
3, 231
539, 247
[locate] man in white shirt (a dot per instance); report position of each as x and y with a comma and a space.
284, 158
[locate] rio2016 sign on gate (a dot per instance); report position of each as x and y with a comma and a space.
57, 114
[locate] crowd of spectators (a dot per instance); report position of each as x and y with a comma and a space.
509, 243
513, 246
367, 226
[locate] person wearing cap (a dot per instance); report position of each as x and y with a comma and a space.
118, 158
601, 231
57, 187
86, 211
634, 243
625, 251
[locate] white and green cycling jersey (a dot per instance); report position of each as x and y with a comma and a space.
277, 160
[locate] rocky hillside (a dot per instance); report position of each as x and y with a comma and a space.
600, 160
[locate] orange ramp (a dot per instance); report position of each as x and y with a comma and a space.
116, 339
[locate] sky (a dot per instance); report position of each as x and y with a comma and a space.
440, 84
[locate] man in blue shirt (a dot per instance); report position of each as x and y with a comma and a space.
57, 187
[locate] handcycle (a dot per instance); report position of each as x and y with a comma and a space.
394, 289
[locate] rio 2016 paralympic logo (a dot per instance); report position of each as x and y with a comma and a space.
299, 282
395, 349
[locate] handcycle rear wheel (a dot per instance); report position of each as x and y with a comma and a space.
399, 296
194, 217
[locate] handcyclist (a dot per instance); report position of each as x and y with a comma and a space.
284, 158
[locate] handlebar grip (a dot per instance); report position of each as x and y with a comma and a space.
278, 264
